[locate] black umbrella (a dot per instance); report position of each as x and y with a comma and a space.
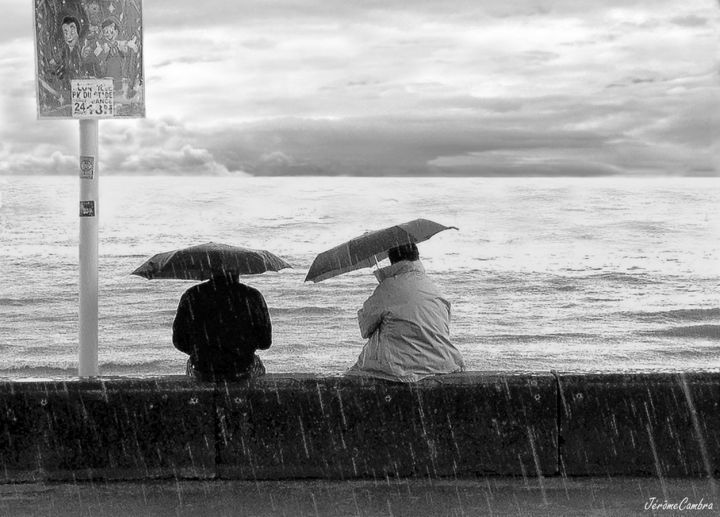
204, 261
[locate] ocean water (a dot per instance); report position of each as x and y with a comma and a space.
603, 274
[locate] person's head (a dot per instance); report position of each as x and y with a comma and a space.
404, 252
71, 30
94, 12
110, 29
225, 277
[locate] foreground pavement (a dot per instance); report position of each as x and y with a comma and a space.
388, 497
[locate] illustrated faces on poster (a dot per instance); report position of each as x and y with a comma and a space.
94, 12
70, 32
80, 40
110, 31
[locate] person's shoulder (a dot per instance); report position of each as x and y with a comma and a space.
191, 293
193, 289
201, 288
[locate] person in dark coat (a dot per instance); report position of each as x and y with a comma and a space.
220, 324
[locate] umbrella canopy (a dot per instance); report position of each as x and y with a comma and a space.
365, 250
204, 261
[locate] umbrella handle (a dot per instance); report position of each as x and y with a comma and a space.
377, 269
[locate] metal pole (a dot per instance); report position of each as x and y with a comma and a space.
88, 363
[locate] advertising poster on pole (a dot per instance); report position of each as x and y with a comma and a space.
89, 59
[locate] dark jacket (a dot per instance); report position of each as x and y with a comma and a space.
221, 324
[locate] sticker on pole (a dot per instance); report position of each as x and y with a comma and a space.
87, 208
87, 167
89, 59
92, 98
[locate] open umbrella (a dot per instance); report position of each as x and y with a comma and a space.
206, 260
369, 248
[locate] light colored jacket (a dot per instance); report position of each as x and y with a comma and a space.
407, 323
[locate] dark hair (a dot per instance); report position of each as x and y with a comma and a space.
71, 19
108, 22
404, 252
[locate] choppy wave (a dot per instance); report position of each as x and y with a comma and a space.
691, 331
121, 255
43, 372
520, 271
137, 364
676, 315
13, 302
625, 278
30, 300
302, 311
541, 337
133, 366
564, 284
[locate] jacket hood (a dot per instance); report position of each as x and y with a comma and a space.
399, 268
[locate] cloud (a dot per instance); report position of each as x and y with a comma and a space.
186, 60
32, 164
157, 147
511, 164
15, 21
283, 13
186, 160
665, 126
129, 147
397, 88
689, 21
259, 44
454, 146
695, 125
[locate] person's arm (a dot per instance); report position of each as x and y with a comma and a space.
262, 327
371, 314
181, 326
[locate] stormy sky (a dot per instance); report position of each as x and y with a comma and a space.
476, 88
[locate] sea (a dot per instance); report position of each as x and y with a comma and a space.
599, 274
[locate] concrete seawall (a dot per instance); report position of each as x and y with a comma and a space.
305, 426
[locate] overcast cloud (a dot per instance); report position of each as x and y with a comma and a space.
521, 87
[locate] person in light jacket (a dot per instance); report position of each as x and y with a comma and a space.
407, 324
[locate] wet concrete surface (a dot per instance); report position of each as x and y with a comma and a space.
491, 496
